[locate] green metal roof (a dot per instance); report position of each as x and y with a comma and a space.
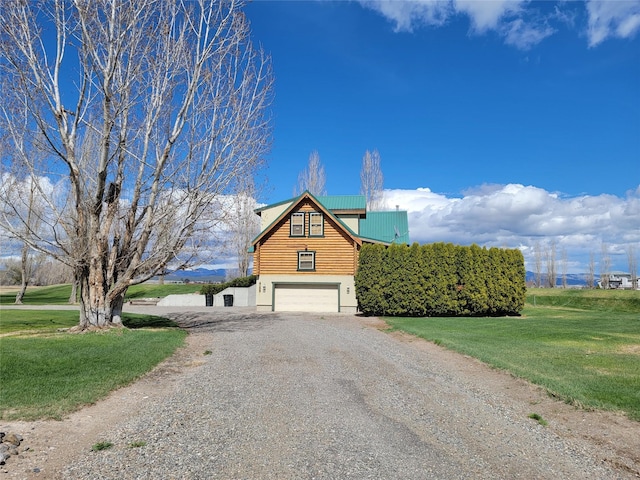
343, 202
388, 227
330, 202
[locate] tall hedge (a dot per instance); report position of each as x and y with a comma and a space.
440, 279
215, 288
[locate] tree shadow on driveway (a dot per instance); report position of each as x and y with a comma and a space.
219, 321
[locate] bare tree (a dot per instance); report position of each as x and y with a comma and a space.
372, 180
11, 272
23, 208
632, 260
312, 178
244, 225
28, 263
25, 273
565, 267
175, 99
591, 274
550, 257
51, 272
537, 264
605, 265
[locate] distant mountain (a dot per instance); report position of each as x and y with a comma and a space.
203, 275
573, 279
200, 275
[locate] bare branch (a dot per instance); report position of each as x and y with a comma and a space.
312, 178
169, 110
372, 180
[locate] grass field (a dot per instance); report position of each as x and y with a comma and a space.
59, 294
582, 346
47, 374
50, 321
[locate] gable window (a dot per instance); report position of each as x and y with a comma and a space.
297, 224
306, 261
315, 225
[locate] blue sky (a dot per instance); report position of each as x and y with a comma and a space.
502, 123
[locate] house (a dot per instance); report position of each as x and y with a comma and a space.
306, 254
619, 280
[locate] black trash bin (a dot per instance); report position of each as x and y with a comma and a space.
208, 298
228, 300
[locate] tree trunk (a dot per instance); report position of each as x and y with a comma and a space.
24, 274
98, 310
73, 298
23, 289
116, 311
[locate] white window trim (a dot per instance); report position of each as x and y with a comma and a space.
297, 215
320, 223
312, 255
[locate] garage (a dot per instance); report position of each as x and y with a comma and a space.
306, 297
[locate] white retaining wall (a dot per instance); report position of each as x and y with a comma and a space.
242, 297
184, 300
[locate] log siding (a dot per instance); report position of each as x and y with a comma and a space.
277, 252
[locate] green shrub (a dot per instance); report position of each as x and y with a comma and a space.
440, 279
215, 288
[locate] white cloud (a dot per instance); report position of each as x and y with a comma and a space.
519, 22
486, 15
502, 16
524, 35
516, 216
612, 18
408, 14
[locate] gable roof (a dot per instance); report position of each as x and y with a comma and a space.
375, 227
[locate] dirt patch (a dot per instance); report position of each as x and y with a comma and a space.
53, 444
4, 289
630, 350
50, 445
617, 437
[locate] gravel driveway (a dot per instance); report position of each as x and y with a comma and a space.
292, 396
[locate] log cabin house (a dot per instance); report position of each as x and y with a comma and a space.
306, 254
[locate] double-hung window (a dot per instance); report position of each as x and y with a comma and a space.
315, 225
306, 261
297, 224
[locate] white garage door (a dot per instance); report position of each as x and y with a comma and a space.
306, 298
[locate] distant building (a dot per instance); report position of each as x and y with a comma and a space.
619, 280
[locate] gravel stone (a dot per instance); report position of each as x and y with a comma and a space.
296, 396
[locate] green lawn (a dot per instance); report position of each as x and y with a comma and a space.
582, 346
42, 320
53, 295
619, 301
47, 321
147, 290
59, 294
47, 374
